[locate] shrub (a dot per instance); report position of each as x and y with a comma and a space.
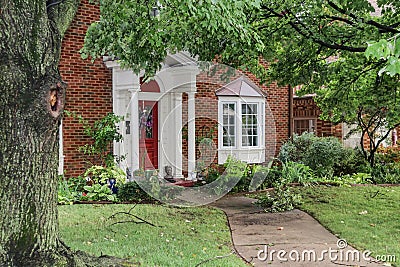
67, 195
295, 149
351, 161
101, 175
131, 191
294, 172
234, 172
76, 183
269, 174
103, 133
322, 155
211, 173
387, 173
388, 154
70, 190
248, 174
152, 188
326, 156
99, 192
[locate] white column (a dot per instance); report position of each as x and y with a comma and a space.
134, 110
177, 106
191, 133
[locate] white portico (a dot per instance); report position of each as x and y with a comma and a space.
152, 125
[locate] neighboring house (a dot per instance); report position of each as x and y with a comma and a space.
183, 118
306, 119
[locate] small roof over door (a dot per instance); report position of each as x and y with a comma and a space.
240, 87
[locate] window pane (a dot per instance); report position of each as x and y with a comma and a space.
232, 130
249, 124
255, 141
304, 125
225, 119
228, 124
255, 130
245, 141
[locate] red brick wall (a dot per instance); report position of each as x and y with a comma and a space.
89, 90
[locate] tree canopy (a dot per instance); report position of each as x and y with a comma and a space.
141, 33
296, 35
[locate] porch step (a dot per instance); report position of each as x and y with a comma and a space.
184, 183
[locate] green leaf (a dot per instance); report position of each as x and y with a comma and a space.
378, 50
393, 66
396, 48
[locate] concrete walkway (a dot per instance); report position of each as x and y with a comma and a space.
291, 238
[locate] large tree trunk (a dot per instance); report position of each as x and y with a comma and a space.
31, 104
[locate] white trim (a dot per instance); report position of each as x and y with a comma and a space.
60, 150
191, 133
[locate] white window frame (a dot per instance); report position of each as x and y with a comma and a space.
250, 154
221, 120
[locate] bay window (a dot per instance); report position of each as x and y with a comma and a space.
241, 121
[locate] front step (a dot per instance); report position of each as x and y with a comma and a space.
184, 183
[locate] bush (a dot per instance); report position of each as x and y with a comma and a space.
250, 170
388, 154
99, 192
211, 173
322, 155
388, 173
269, 174
294, 172
295, 149
131, 191
235, 170
102, 175
326, 156
70, 190
351, 161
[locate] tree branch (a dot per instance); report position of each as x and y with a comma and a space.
363, 130
61, 13
309, 35
381, 27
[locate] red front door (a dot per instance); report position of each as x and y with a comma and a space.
148, 135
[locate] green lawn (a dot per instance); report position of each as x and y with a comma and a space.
368, 217
182, 236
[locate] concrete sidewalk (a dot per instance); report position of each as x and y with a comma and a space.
291, 238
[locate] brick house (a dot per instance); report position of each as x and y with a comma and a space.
183, 118
306, 119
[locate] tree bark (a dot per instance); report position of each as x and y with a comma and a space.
31, 106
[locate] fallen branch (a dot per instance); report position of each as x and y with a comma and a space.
137, 221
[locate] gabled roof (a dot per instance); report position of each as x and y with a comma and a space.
240, 87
